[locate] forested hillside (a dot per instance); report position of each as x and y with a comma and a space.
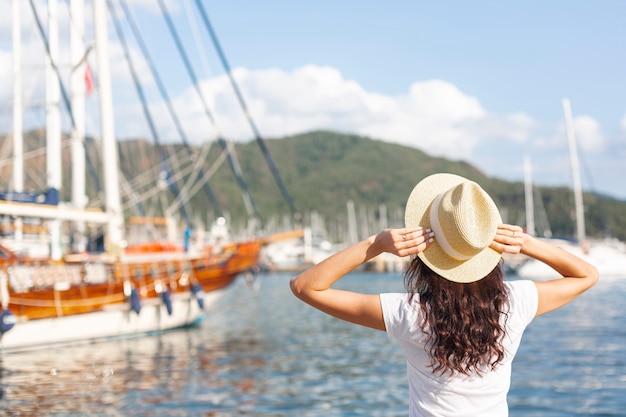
324, 170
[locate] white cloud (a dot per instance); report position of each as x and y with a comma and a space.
553, 138
433, 115
589, 134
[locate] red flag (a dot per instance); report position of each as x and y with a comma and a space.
88, 80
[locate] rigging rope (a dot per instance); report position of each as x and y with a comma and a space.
142, 180
144, 105
252, 210
166, 98
207, 175
244, 107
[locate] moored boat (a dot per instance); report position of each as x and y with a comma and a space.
93, 297
123, 290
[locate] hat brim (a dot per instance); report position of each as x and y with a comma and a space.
417, 213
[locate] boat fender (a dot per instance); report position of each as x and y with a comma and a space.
7, 321
167, 300
135, 302
197, 291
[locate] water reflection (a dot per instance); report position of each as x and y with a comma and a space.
76, 379
263, 353
170, 371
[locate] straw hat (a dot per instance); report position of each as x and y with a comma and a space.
464, 219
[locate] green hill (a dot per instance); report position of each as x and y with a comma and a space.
324, 170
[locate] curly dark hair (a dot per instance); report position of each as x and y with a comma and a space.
462, 321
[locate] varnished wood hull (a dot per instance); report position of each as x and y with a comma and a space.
141, 292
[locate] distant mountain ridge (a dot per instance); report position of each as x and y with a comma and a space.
324, 170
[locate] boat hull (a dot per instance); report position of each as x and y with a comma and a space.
609, 257
85, 299
115, 321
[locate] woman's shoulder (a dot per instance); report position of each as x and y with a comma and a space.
399, 312
397, 301
521, 285
523, 298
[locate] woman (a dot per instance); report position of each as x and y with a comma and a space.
459, 324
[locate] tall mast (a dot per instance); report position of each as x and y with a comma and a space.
528, 197
77, 94
109, 153
53, 125
18, 141
573, 152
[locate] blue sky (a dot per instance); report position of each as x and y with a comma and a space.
480, 81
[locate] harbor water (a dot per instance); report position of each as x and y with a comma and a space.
261, 352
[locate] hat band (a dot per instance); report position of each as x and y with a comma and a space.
435, 225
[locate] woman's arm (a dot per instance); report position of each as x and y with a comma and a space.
313, 285
578, 275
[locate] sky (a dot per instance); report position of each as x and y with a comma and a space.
480, 81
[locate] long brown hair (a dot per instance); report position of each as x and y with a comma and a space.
462, 321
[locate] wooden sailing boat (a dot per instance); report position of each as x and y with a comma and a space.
92, 298
126, 291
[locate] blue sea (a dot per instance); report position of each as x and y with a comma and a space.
261, 352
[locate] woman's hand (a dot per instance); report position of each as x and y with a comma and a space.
405, 241
508, 239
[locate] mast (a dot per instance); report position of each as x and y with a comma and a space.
53, 125
528, 197
53, 212
573, 152
77, 93
109, 153
18, 141
353, 234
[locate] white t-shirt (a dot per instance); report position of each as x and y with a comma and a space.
435, 395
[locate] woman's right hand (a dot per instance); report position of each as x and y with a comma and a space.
404, 241
508, 239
